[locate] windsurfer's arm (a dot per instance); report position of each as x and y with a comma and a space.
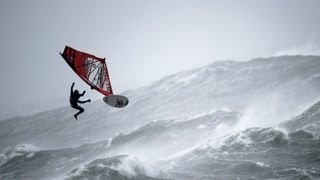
83, 93
71, 90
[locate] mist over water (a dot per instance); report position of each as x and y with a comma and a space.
228, 120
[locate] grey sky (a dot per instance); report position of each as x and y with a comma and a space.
143, 40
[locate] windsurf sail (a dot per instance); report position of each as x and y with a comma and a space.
91, 69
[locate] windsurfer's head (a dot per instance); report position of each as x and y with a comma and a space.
76, 91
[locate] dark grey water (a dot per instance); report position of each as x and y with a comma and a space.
172, 130
157, 151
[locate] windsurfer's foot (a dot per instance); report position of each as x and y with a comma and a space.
75, 116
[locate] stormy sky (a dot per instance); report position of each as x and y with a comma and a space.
142, 40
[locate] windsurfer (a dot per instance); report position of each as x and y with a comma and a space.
74, 100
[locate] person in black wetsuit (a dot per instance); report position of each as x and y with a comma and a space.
74, 100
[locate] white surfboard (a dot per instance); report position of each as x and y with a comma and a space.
117, 101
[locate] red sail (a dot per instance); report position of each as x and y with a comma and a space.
90, 69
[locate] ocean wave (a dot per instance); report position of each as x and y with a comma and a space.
150, 129
249, 167
27, 150
166, 136
296, 173
255, 153
304, 135
252, 137
118, 167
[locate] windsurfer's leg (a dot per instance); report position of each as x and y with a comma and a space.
82, 102
81, 110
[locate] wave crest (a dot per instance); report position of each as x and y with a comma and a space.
27, 150
117, 167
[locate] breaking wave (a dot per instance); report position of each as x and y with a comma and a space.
255, 153
24, 150
122, 167
171, 149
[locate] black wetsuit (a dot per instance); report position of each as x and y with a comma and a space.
74, 100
